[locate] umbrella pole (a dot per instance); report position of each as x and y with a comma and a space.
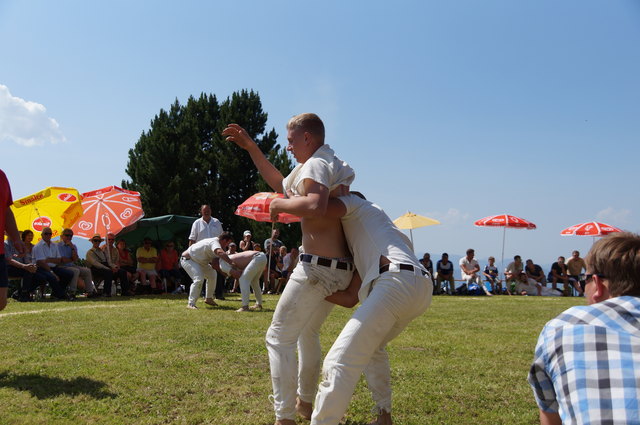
411, 233
504, 232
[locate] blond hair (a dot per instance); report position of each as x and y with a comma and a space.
617, 258
308, 122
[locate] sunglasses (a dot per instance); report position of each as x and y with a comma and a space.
47, 234
67, 235
589, 276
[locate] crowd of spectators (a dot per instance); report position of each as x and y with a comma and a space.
109, 268
518, 278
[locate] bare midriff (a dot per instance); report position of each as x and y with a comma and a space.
323, 236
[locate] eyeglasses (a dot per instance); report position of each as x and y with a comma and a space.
589, 276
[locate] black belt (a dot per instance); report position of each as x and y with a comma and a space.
326, 262
408, 267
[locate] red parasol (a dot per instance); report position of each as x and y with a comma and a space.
592, 228
504, 221
256, 207
108, 210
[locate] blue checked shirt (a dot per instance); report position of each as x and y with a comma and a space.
587, 364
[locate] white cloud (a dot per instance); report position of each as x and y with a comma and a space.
614, 217
25, 122
451, 217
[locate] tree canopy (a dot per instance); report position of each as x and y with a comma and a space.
183, 161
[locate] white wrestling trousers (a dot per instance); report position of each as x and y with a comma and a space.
251, 278
301, 300
397, 298
198, 273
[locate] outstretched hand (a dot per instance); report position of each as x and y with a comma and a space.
238, 135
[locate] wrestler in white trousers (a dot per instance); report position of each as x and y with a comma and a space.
302, 297
250, 278
198, 273
397, 297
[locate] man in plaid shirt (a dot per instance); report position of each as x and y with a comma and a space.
586, 368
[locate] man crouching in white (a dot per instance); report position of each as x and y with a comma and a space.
196, 261
249, 266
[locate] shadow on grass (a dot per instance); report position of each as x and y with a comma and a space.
44, 387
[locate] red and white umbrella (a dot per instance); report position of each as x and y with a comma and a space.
504, 221
108, 210
592, 228
256, 207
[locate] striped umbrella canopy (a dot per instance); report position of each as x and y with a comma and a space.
591, 228
504, 221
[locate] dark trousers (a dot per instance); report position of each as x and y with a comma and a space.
108, 276
220, 286
30, 281
57, 286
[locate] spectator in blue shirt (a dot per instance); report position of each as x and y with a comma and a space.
586, 368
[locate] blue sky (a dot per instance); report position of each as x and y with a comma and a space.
452, 109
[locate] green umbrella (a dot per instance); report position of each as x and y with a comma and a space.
163, 228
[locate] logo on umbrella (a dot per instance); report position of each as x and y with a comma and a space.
85, 225
31, 199
40, 223
128, 212
67, 197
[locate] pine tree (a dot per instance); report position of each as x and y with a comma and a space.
183, 161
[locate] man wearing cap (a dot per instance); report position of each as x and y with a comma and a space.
69, 253
196, 261
48, 260
325, 266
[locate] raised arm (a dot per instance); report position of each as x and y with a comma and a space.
238, 135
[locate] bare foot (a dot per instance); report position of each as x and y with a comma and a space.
285, 422
384, 418
211, 302
304, 408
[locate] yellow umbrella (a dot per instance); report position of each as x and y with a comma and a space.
413, 221
54, 207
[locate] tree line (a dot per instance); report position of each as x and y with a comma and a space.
182, 162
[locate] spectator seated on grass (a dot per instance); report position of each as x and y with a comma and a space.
48, 260
169, 266
119, 274
586, 367
535, 272
147, 258
512, 272
492, 276
444, 269
470, 270
575, 266
558, 274
17, 267
69, 253
127, 264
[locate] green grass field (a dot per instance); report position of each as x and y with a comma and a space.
150, 360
